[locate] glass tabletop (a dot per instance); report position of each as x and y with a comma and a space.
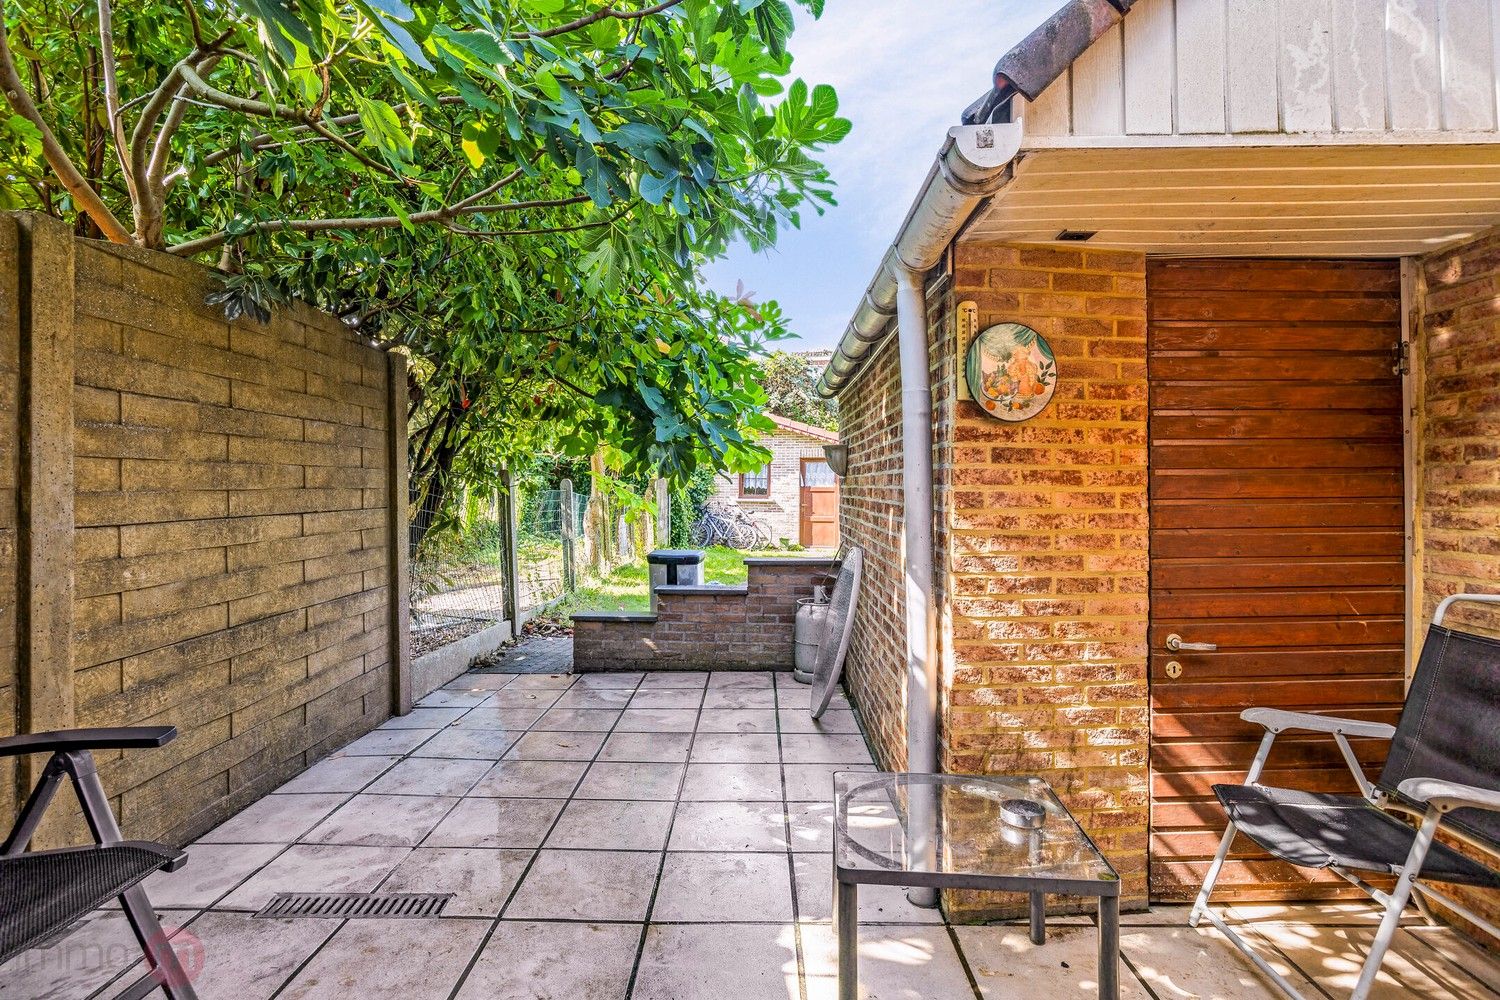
1012, 828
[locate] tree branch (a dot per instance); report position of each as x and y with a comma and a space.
84, 195
602, 14
112, 93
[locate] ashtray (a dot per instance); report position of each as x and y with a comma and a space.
1023, 814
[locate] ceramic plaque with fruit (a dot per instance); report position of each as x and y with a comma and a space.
1011, 371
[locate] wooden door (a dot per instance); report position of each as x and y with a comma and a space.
1276, 534
818, 505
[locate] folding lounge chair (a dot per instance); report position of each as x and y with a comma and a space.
1443, 769
42, 892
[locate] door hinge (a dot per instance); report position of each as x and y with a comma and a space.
1402, 363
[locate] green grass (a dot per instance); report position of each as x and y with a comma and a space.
626, 588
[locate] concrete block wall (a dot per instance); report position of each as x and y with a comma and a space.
230, 551
704, 628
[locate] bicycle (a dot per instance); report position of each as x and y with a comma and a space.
720, 524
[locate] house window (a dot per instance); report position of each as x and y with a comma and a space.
756, 485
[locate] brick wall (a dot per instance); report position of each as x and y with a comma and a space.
231, 565
782, 510
704, 628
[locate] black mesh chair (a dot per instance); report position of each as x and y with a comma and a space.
43, 892
1442, 771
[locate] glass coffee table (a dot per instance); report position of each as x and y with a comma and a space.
958, 831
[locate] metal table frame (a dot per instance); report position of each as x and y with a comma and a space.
846, 882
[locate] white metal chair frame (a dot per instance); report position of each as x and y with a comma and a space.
1438, 797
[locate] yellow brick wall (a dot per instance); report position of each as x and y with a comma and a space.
1048, 551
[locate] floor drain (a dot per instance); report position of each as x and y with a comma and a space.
354, 905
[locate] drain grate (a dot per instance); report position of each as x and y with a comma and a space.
354, 905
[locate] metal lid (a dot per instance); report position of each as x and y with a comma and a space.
675, 557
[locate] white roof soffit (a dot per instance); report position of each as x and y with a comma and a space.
970, 167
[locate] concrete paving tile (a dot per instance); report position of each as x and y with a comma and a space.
470, 744
734, 748
539, 961
382, 820
339, 773
878, 904
664, 748
1334, 956
479, 682
316, 868
95, 951
1357, 913
383, 742
531, 779
578, 720
724, 888
718, 961
615, 698
275, 819
1456, 949
1007, 966
618, 780
479, 878
448, 698
895, 963
659, 679
497, 717
248, 958
682, 699
430, 776
729, 827
614, 826
540, 682
556, 746
586, 885
480, 822
1201, 964
424, 718
610, 679
657, 720
812, 823
814, 782
349, 964
799, 696
797, 720
523, 698
741, 680
737, 720
211, 871
732, 783
727, 698
805, 748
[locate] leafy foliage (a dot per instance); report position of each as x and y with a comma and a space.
791, 381
520, 193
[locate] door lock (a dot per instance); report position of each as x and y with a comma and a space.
1176, 645
1174, 669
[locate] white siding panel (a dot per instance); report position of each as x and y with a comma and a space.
1052, 113
1253, 104
1307, 65
1413, 64
1098, 98
1467, 60
1359, 90
1150, 67
1200, 66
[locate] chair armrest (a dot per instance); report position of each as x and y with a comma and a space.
1449, 795
1276, 720
63, 741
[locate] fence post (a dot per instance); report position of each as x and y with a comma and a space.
398, 527
663, 515
508, 542
569, 531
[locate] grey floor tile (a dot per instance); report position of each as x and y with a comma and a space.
479, 682
729, 827
797, 720
480, 822
247, 958
340, 773
612, 679
1334, 956
665, 748
446, 698
383, 742
659, 679
540, 682
523, 698
382, 820
531, 779
679, 699
348, 964
719, 961
603, 698
479, 878
657, 720
578, 720
275, 819
430, 776
738, 720
470, 744
724, 888
498, 717
424, 718
316, 868
1008, 966
617, 780
539, 961
556, 746
725, 698
895, 963
97, 949
814, 782
812, 824
211, 871
732, 783
733, 748
878, 904
614, 826
586, 885
741, 680
806, 748
1183, 962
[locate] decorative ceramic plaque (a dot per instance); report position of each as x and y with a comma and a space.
1010, 371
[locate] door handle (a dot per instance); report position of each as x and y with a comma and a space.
1176, 645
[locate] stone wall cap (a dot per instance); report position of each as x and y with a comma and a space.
613, 616
675, 557
711, 589
790, 561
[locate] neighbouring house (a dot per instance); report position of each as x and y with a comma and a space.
1259, 240
796, 495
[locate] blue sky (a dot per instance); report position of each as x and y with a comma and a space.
904, 70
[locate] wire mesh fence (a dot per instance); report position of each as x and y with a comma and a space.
547, 520
458, 567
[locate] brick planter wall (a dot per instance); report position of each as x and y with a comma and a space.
704, 628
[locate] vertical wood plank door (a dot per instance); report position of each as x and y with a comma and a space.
1276, 535
818, 520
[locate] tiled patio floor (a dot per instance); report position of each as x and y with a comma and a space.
660, 837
